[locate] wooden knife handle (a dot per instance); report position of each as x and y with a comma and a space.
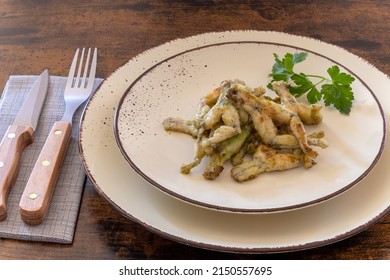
15, 139
40, 186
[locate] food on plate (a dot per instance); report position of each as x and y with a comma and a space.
256, 132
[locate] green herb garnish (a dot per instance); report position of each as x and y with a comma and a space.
335, 90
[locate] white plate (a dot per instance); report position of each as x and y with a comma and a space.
173, 87
321, 224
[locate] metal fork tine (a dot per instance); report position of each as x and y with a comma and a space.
77, 82
92, 71
72, 69
85, 69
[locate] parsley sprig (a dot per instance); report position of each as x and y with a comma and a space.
335, 90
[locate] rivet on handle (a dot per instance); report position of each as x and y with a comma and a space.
11, 135
58, 132
32, 196
45, 162
1, 164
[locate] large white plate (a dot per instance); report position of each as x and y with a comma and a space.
313, 226
174, 86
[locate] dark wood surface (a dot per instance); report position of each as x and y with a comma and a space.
44, 34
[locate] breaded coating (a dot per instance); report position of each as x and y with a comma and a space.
255, 132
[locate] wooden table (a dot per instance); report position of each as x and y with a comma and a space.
44, 34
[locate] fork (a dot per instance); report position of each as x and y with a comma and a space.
39, 189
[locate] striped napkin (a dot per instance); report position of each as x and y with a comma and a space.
60, 220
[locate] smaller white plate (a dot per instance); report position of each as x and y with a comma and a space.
174, 86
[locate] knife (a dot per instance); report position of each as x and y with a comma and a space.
18, 136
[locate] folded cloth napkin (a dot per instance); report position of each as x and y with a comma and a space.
60, 221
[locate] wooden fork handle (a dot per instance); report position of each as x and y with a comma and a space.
39, 189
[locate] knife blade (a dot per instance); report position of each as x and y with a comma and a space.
18, 136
